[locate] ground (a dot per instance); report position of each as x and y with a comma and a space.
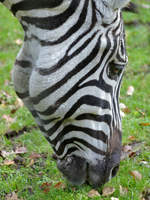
30, 173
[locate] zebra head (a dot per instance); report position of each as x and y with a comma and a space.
68, 74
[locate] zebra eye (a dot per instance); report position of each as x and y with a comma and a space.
114, 70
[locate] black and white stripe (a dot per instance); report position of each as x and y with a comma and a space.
69, 71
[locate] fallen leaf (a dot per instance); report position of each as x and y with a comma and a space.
46, 184
131, 150
130, 90
145, 6
60, 185
144, 124
122, 106
20, 150
5, 154
114, 198
127, 148
126, 110
144, 162
93, 193
8, 118
132, 154
74, 189
122, 114
18, 42
46, 187
136, 175
35, 156
131, 137
107, 191
19, 103
12, 196
8, 162
123, 190
13, 110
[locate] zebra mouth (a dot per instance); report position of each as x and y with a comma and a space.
96, 174
78, 171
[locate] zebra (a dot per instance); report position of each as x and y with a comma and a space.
68, 74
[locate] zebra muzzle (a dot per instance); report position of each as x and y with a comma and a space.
78, 171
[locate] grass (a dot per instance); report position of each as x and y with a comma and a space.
26, 178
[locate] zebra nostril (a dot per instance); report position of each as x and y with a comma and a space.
115, 170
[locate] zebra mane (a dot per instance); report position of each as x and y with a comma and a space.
107, 9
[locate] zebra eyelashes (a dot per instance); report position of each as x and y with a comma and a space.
114, 70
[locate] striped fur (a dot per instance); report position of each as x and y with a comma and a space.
68, 74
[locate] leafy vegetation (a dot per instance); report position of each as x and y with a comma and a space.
31, 174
